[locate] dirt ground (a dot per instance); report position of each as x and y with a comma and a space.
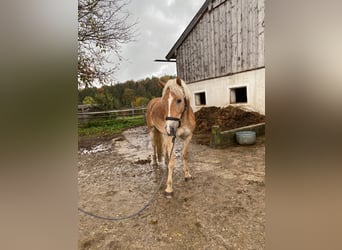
223, 207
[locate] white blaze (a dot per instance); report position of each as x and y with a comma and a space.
169, 113
170, 102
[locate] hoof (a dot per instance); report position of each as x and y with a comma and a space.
168, 195
188, 178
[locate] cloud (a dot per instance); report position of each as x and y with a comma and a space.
160, 24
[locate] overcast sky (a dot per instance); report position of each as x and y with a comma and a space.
160, 24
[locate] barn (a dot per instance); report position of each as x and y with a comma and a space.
220, 54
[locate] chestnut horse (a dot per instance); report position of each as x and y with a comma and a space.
168, 117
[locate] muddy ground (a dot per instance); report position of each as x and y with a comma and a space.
223, 207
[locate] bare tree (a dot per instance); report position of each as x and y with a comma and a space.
103, 26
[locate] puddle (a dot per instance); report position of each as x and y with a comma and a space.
137, 146
96, 149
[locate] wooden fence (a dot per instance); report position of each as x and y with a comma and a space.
86, 116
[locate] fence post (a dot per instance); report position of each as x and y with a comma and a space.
215, 138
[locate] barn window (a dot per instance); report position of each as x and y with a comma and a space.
238, 95
200, 99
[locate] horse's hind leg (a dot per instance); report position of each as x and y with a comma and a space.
185, 155
154, 147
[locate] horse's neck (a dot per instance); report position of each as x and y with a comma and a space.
159, 117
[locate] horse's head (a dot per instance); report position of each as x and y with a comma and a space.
175, 102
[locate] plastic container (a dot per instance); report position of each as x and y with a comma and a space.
245, 137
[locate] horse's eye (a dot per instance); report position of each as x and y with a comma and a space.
179, 101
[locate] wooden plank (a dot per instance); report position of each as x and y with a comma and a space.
209, 39
211, 45
202, 34
180, 59
188, 63
217, 42
260, 30
201, 37
183, 62
185, 54
239, 34
206, 46
178, 64
194, 61
214, 26
198, 53
249, 33
197, 56
255, 34
184, 68
234, 35
244, 34
195, 53
191, 56
229, 36
188, 59
223, 37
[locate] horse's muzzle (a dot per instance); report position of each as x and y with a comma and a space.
171, 131
172, 124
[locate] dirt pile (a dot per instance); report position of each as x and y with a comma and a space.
227, 118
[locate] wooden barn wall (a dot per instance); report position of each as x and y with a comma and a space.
229, 38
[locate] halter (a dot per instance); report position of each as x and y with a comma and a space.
170, 118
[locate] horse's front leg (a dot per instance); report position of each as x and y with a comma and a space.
171, 163
185, 155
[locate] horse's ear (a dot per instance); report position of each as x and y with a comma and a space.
161, 84
179, 81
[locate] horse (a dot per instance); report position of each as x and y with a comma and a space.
168, 117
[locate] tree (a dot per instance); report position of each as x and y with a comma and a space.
140, 101
82, 93
104, 99
103, 27
128, 97
88, 100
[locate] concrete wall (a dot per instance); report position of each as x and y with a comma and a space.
217, 90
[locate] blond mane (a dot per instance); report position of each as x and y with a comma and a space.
175, 88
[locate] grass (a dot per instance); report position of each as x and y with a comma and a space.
109, 126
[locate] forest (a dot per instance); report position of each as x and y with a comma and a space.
129, 94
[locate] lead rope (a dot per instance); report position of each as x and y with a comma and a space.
153, 197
